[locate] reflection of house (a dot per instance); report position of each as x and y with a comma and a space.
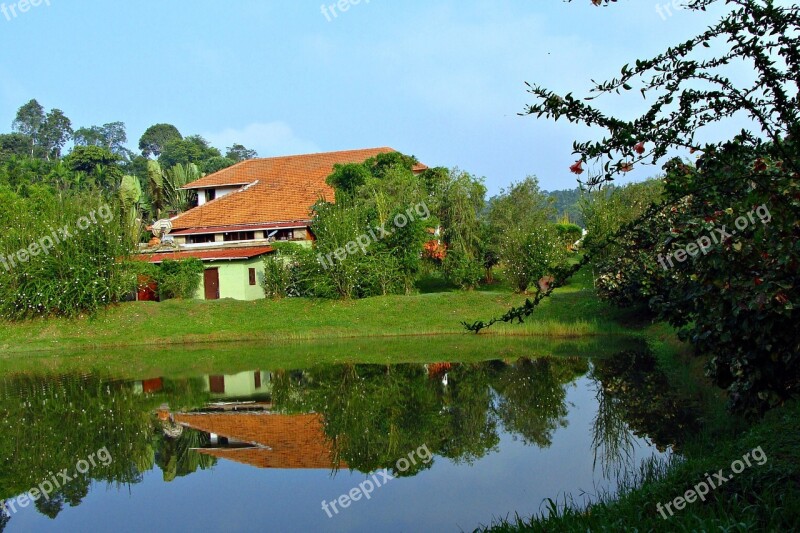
264, 440
243, 209
148, 386
242, 386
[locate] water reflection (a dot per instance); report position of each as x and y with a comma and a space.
354, 417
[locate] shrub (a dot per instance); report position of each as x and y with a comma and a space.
81, 271
179, 279
462, 271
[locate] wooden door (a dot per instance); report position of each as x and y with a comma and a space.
211, 282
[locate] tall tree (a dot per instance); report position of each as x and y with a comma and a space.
238, 153
29, 120
156, 137
54, 133
193, 149
110, 136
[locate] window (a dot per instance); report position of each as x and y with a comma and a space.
240, 236
252, 276
199, 239
285, 235
211, 194
258, 374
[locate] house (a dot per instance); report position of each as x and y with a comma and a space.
243, 209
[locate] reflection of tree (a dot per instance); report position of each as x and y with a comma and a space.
48, 423
177, 457
376, 414
641, 393
612, 440
532, 396
4, 519
470, 430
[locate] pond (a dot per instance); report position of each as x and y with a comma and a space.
443, 445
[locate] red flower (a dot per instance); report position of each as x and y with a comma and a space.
577, 168
759, 165
639, 148
626, 167
758, 281
782, 298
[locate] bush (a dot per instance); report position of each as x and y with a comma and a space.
80, 272
568, 234
179, 279
462, 271
277, 276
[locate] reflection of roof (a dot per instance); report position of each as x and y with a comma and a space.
286, 441
279, 189
223, 254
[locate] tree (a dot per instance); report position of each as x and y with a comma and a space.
110, 136
736, 301
347, 178
156, 137
87, 158
238, 153
14, 144
527, 244
217, 163
29, 120
54, 133
193, 149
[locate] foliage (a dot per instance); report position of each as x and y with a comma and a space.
110, 136
179, 279
216, 163
156, 137
238, 153
80, 274
568, 234
277, 280
736, 300
462, 270
192, 149
527, 243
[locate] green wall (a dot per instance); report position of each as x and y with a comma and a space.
234, 279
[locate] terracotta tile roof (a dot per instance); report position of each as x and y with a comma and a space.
223, 254
279, 189
287, 441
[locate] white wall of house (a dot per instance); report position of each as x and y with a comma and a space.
220, 192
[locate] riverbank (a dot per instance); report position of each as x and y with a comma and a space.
759, 461
573, 312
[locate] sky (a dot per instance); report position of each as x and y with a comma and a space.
443, 80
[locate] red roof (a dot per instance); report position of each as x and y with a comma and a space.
279, 189
223, 254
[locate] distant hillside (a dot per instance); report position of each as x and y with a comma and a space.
567, 202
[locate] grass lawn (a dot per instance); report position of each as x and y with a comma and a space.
572, 312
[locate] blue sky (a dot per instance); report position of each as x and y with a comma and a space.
440, 79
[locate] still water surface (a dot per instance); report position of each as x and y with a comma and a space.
435, 447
